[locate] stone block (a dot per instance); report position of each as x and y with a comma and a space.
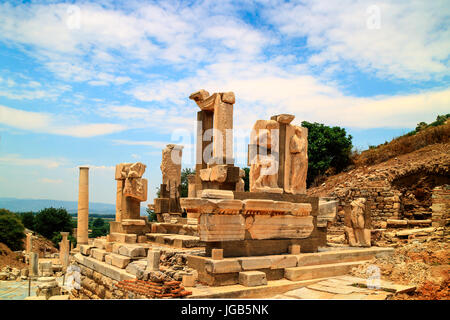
255, 263
294, 249
119, 260
282, 261
188, 280
99, 243
153, 257
132, 251
98, 254
217, 194
85, 249
217, 254
222, 266
252, 278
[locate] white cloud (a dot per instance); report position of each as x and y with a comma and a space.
410, 43
47, 123
17, 160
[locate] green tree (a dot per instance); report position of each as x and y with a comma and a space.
328, 148
11, 230
184, 181
98, 223
51, 221
247, 179
151, 215
28, 220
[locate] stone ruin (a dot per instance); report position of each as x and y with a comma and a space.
167, 205
229, 236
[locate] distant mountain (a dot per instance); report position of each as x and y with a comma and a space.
22, 205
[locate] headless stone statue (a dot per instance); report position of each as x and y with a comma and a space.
299, 162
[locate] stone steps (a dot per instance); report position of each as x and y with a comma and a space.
123, 237
320, 271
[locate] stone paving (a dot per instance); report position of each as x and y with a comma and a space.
18, 290
345, 288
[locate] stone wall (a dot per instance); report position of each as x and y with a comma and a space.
441, 205
386, 202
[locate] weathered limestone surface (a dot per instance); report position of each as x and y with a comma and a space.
252, 278
131, 190
171, 168
221, 227
358, 224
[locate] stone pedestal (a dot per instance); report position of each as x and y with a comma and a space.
34, 264
83, 207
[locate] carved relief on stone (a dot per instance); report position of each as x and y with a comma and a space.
357, 224
171, 168
240, 185
298, 149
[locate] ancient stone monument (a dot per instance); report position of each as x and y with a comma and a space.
168, 202
83, 207
358, 223
131, 191
278, 156
215, 164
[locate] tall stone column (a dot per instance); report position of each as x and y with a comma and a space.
29, 242
64, 248
83, 206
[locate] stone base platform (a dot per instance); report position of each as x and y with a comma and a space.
276, 267
248, 248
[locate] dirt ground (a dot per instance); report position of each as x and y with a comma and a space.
425, 265
9, 258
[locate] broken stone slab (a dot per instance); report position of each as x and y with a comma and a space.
217, 194
222, 266
405, 233
381, 284
252, 278
132, 251
153, 259
85, 249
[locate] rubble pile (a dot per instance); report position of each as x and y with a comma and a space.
152, 289
425, 265
13, 274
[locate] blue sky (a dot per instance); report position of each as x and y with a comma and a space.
99, 83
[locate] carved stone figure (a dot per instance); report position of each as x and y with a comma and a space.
357, 224
298, 147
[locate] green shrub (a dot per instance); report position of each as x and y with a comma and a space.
11, 230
